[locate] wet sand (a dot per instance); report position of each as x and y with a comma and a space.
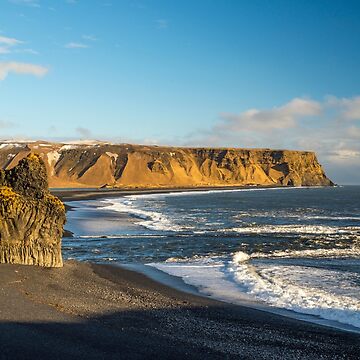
106, 312
68, 195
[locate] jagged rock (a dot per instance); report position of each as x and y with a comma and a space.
127, 166
31, 219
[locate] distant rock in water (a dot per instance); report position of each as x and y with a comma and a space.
141, 166
31, 219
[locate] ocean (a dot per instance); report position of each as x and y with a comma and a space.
295, 250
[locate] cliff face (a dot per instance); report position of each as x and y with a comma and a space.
130, 166
31, 219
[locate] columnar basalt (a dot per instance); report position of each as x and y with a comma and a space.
31, 219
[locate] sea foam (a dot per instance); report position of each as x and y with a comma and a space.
302, 289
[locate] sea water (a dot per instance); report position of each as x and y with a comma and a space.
286, 248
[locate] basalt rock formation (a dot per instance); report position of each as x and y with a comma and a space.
138, 166
31, 219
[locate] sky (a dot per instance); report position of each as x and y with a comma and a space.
221, 73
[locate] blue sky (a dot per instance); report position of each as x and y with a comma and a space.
282, 74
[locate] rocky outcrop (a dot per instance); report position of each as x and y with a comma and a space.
135, 166
31, 219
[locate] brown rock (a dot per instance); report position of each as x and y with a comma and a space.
31, 219
124, 165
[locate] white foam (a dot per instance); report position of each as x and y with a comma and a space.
294, 229
303, 215
305, 290
240, 257
301, 289
205, 273
152, 220
353, 251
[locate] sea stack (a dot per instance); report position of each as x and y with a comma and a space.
31, 219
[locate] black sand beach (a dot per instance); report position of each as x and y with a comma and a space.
106, 312
68, 195
97, 311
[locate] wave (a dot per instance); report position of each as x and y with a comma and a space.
300, 215
155, 220
353, 251
300, 289
294, 229
152, 220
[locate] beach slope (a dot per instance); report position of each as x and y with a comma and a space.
105, 312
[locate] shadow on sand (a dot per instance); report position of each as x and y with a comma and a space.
186, 333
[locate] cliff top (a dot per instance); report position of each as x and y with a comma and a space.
28, 145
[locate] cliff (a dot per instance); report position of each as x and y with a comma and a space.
130, 166
31, 219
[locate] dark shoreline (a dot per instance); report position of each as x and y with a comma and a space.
94, 194
68, 195
97, 311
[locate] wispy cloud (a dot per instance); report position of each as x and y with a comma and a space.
350, 107
21, 68
76, 45
282, 117
9, 41
5, 50
31, 3
8, 44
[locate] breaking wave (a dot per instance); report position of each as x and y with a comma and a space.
302, 289
150, 219
299, 288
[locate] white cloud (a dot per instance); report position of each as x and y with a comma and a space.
349, 107
282, 117
75, 45
21, 68
353, 132
344, 154
9, 41
6, 43
330, 127
352, 108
